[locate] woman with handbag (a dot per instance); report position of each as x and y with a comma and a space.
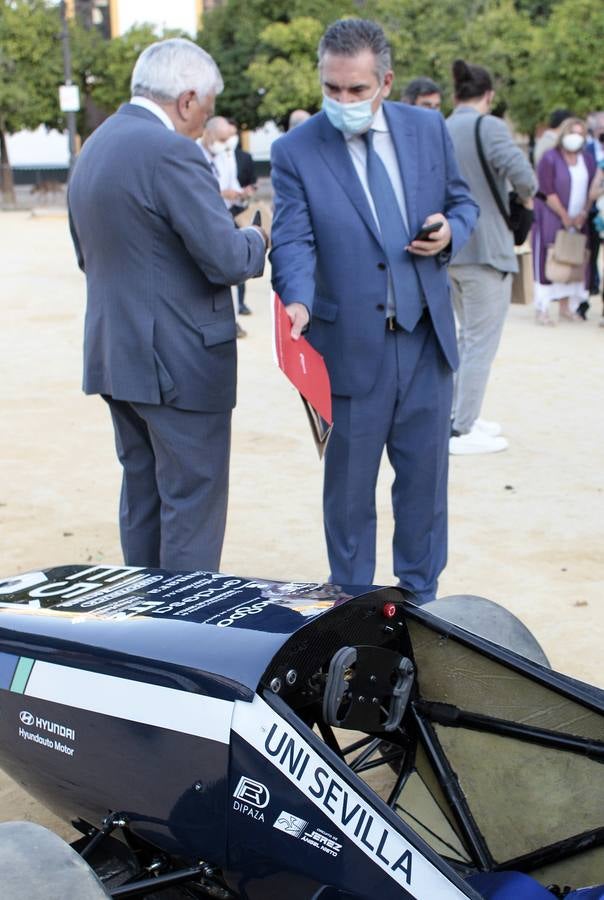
566, 176
481, 273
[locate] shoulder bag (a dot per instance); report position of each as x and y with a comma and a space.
519, 219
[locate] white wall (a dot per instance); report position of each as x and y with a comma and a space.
173, 14
261, 140
38, 148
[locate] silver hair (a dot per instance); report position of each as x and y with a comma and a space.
349, 37
166, 69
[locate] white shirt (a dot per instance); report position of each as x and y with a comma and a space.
226, 166
155, 109
384, 147
579, 185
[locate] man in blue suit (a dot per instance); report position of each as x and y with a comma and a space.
160, 250
353, 186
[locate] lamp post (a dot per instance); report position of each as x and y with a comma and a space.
69, 92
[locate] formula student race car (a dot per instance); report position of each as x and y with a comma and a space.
214, 736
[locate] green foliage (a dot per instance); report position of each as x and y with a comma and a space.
111, 82
287, 68
542, 53
568, 60
235, 36
31, 66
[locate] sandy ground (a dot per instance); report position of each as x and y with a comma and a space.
525, 524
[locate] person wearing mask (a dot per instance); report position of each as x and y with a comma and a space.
353, 188
549, 138
246, 177
422, 92
159, 250
568, 185
481, 273
219, 144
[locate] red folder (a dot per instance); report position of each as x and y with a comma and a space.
306, 370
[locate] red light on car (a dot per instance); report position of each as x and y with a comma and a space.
389, 610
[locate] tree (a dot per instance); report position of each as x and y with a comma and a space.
284, 74
110, 85
31, 70
232, 33
567, 66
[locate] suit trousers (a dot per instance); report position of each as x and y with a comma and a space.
175, 479
481, 298
407, 412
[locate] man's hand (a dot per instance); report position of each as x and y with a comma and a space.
299, 317
436, 242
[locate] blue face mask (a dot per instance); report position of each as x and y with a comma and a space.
350, 118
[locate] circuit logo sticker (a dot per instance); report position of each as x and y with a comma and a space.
290, 824
316, 837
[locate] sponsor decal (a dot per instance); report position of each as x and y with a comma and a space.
290, 824
21, 583
51, 728
315, 837
241, 612
250, 797
355, 817
252, 792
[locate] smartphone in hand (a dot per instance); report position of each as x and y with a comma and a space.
426, 230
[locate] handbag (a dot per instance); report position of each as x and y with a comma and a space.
569, 247
562, 272
519, 219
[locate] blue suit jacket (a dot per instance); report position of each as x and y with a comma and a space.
159, 249
326, 246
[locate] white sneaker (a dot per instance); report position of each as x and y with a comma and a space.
476, 441
492, 428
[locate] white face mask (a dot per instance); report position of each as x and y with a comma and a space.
350, 118
573, 142
232, 143
217, 148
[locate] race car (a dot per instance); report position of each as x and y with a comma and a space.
216, 736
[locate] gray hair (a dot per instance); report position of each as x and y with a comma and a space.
349, 37
166, 69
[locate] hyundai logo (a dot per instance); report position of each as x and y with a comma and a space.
26, 717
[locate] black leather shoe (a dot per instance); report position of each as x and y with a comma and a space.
244, 310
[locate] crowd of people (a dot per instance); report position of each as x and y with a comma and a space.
390, 222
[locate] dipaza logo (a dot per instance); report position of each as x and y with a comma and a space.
250, 791
26, 717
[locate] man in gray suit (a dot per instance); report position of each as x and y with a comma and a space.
160, 250
481, 273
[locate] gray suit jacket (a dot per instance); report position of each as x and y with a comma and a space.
159, 250
492, 243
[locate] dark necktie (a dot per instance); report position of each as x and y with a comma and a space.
405, 283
